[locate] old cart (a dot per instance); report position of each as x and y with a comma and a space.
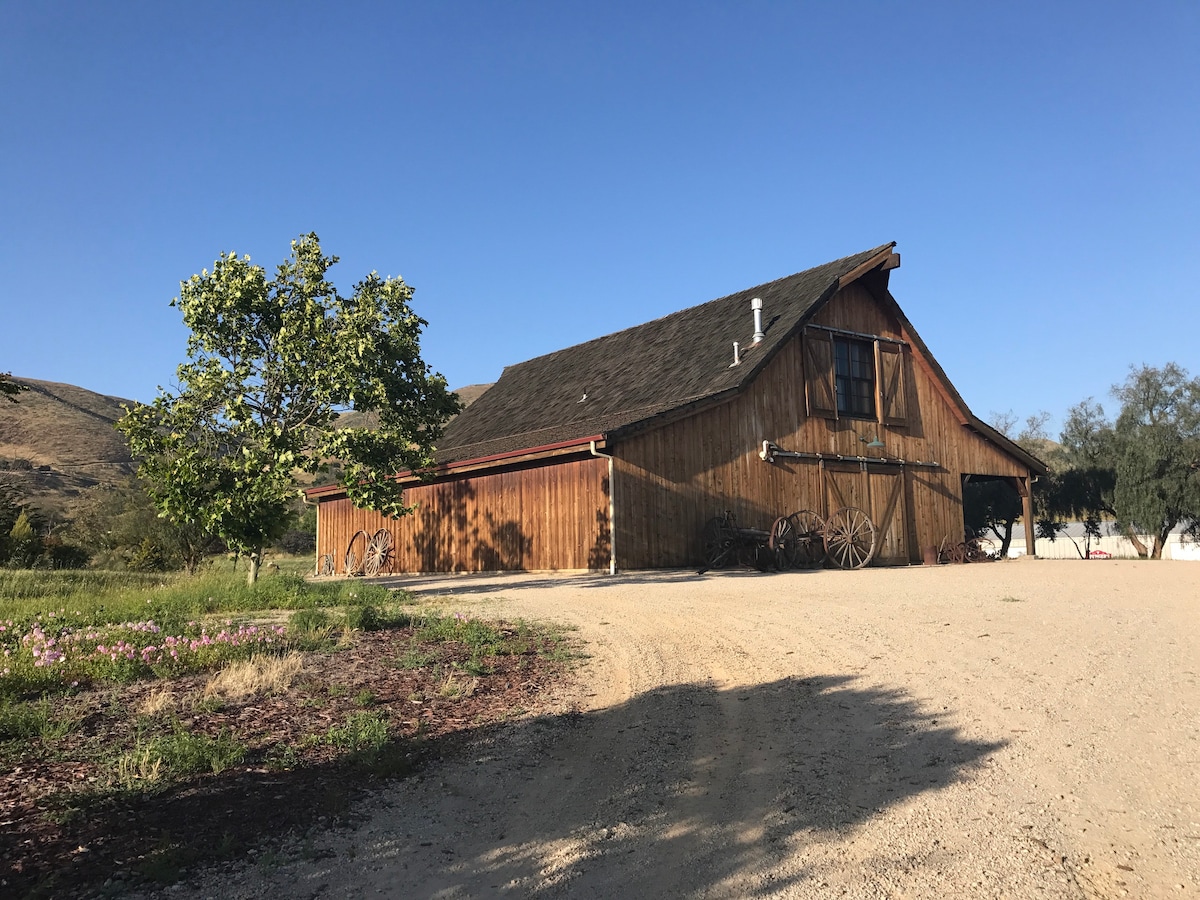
802, 539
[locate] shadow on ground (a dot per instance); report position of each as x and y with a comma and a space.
676, 791
682, 788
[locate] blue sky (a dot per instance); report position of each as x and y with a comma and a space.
544, 173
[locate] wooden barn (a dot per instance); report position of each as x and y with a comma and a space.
613, 454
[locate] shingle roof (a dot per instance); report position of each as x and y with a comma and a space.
639, 373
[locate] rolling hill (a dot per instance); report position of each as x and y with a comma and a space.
58, 440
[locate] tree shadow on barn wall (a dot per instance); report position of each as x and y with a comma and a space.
453, 534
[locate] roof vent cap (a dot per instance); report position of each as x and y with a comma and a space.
756, 304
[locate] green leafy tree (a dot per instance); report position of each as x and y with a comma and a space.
1082, 479
1142, 472
272, 361
116, 523
24, 543
1157, 451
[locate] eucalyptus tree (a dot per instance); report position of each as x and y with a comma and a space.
271, 364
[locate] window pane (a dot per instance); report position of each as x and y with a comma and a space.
854, 371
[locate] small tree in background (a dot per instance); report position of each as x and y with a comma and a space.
24, 544
993, 504
1082, 479
1157, 449
1142, 472
9, 388
272, 362
120, 527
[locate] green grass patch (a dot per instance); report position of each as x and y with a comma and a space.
33, 721
100, 598
363, 732
67, 629
158, 760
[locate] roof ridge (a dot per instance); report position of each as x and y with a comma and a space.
689, 309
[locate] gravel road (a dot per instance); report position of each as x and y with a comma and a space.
1028, 729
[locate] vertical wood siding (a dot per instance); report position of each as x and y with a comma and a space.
671, 480
536, 517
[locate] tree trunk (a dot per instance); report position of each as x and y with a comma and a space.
253, 562
1006, 538
1141, 549
1160, 541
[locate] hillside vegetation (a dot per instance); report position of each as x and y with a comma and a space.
59, 440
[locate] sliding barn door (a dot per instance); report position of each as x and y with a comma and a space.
878, 490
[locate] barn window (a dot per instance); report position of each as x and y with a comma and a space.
854, 377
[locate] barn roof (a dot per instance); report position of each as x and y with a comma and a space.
614, 382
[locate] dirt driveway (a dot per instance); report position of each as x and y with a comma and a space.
1026, 729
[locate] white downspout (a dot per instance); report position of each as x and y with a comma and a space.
612, 510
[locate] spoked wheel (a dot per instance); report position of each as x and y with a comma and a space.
379, 552
717, 541
783, 542
326, 564
850, 538
809, 529
356, 552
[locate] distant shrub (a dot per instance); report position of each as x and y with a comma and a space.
297, 542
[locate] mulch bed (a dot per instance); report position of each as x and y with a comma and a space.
65, 830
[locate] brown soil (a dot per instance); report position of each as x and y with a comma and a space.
65, 830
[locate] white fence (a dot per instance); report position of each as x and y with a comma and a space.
1074, 543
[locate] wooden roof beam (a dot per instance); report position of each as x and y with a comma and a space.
884, 260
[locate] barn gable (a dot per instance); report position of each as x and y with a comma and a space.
613, 453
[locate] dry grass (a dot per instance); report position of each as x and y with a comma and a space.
257, 675
157, 703
455, 687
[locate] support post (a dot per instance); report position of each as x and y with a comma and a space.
612, 507
1026, 488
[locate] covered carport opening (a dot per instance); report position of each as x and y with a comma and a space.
993, 504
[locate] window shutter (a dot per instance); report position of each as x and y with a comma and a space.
819, 391
889, 369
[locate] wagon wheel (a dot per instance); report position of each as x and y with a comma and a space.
783, 542
379, 552
850, 538
356, 552
717, 540
975, 551
810, 538
326, 564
